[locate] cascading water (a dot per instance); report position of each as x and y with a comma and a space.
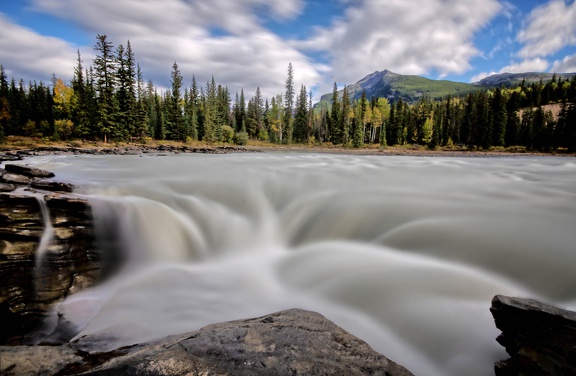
405, 253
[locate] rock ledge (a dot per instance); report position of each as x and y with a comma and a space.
540, 338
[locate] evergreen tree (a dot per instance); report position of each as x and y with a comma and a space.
287, 127
104, 71
174, 113
498, 107
301, 117
80, 111
210, 113
141, 127
358, 139
345, 129
335, 117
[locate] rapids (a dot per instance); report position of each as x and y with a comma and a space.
403, 252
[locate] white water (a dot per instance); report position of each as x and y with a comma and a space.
404, 252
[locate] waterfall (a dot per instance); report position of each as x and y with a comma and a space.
405, 253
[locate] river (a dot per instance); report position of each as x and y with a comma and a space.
404, 252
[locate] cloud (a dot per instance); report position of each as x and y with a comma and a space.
531, 65
223, 38
31, 55
566, 65
409, 37
550, 27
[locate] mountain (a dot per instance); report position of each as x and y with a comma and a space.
513, 79
394, 86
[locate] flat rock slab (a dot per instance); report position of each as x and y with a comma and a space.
12, 178
292, 342
28, 171
53, 186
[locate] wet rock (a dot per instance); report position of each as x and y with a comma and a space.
292, 342
5, 187
28, 171
29, 285
12, 178
54, 186
540, 338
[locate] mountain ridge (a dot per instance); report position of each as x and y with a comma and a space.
410, 88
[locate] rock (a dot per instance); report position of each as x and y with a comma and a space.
292, 342
29, 171
5, 187
540, 338
11, 178
54, 186
9, 157
29, 287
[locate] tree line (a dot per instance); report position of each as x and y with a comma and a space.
109, 100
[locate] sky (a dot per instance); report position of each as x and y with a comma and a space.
246, 44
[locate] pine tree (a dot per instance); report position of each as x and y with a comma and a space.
301, 117
287, 127
335, 118
80, 113
358, 139
104, 71
345, 122
498, 106
140, 126
174, 114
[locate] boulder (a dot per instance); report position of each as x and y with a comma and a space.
292, 342
540, 338
11, 178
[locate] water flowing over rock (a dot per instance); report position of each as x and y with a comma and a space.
29, 283
292, 342
540, 338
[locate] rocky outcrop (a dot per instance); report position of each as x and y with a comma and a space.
292, 342
31, 283
540, 338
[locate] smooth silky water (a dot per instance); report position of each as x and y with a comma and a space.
403, 252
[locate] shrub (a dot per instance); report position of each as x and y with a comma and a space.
227, 134
241, 138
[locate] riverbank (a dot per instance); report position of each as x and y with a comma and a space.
34, 146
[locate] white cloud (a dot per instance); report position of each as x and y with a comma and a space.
531, 65
32, 55
566, 65
223, 38
550, 27
409, 37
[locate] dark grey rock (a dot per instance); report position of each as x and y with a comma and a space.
54, 186
292, 342
540, 338
29, 171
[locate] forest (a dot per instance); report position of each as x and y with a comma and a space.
109, 101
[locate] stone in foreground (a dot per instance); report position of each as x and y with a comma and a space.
292, 342
540, 338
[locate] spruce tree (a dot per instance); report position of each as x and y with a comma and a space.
301, 117
104, 71
335, 118
287, 127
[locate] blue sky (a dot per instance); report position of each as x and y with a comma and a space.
249, 43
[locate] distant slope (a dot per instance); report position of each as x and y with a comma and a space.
394, 86
514, 79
